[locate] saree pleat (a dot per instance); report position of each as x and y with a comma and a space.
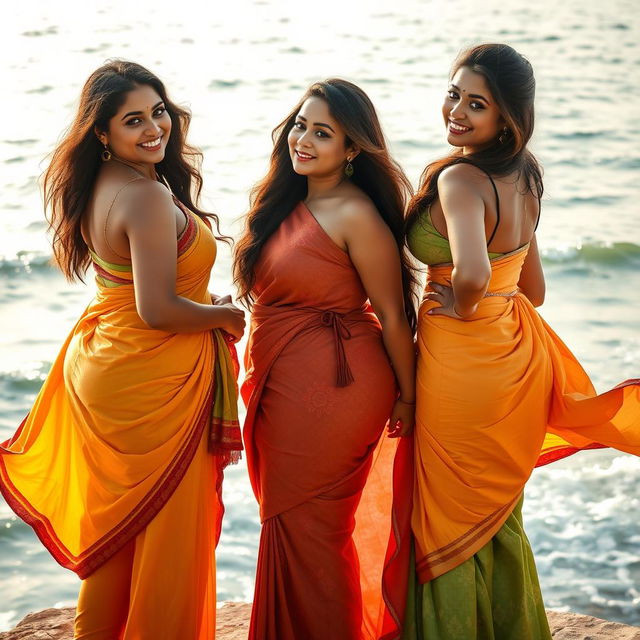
497, 395
115, 450
319, 389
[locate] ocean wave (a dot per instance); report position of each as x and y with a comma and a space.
25, 262
23, 382
615, 254
582, 135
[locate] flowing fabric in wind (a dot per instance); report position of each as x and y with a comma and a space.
498, 395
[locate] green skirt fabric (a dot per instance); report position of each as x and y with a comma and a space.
494, 595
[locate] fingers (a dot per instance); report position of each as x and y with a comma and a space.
438, 311
224, 299
401, 420
399, 430
406, 431
236, 333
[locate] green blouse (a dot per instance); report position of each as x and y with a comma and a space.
428, 245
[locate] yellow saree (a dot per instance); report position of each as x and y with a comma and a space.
126, 419
498, 394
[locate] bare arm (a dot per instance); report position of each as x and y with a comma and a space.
531, 281
463, 209
148, 219
374, 253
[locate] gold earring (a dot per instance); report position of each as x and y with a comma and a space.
348, 170
106, 154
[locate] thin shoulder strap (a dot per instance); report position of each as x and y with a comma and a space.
495, 190
106, 220
539, 212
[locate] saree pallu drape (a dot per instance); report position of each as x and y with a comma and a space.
122, 417
333, 559
498, 395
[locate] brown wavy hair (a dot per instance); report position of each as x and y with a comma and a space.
75, 162
376, 173
510, 79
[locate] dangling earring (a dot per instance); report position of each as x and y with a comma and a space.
106, 154
348, 170
503, 135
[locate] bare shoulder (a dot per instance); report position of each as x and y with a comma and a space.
462, 176
143, 190
357, 209
139, 200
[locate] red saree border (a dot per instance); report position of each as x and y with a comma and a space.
189, 233
562, 451
103, 549
628, 383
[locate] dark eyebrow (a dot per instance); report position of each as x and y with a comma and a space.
318, 124
137, 113
471, 95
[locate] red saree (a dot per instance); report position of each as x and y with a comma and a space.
319, 389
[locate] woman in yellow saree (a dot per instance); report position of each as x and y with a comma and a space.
118, 466
497, 391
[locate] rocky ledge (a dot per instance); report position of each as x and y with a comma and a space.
233, 621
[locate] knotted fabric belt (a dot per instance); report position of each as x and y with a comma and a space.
293, 320
335, 322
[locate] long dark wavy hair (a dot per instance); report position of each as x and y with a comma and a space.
509, 77
376, 173
75, 162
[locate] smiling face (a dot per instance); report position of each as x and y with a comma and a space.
140, 130
317, 143
470, 113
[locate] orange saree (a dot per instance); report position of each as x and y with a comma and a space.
116, 449
333, 556
498, 394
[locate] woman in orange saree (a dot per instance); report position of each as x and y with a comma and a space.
118, 466
497, 391
323, 236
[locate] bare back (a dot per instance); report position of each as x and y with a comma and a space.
114, 197
510, 219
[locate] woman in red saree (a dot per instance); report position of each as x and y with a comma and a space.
326, 371
118, 466
497, 391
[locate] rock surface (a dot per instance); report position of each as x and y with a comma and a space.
572, 626
233, 621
